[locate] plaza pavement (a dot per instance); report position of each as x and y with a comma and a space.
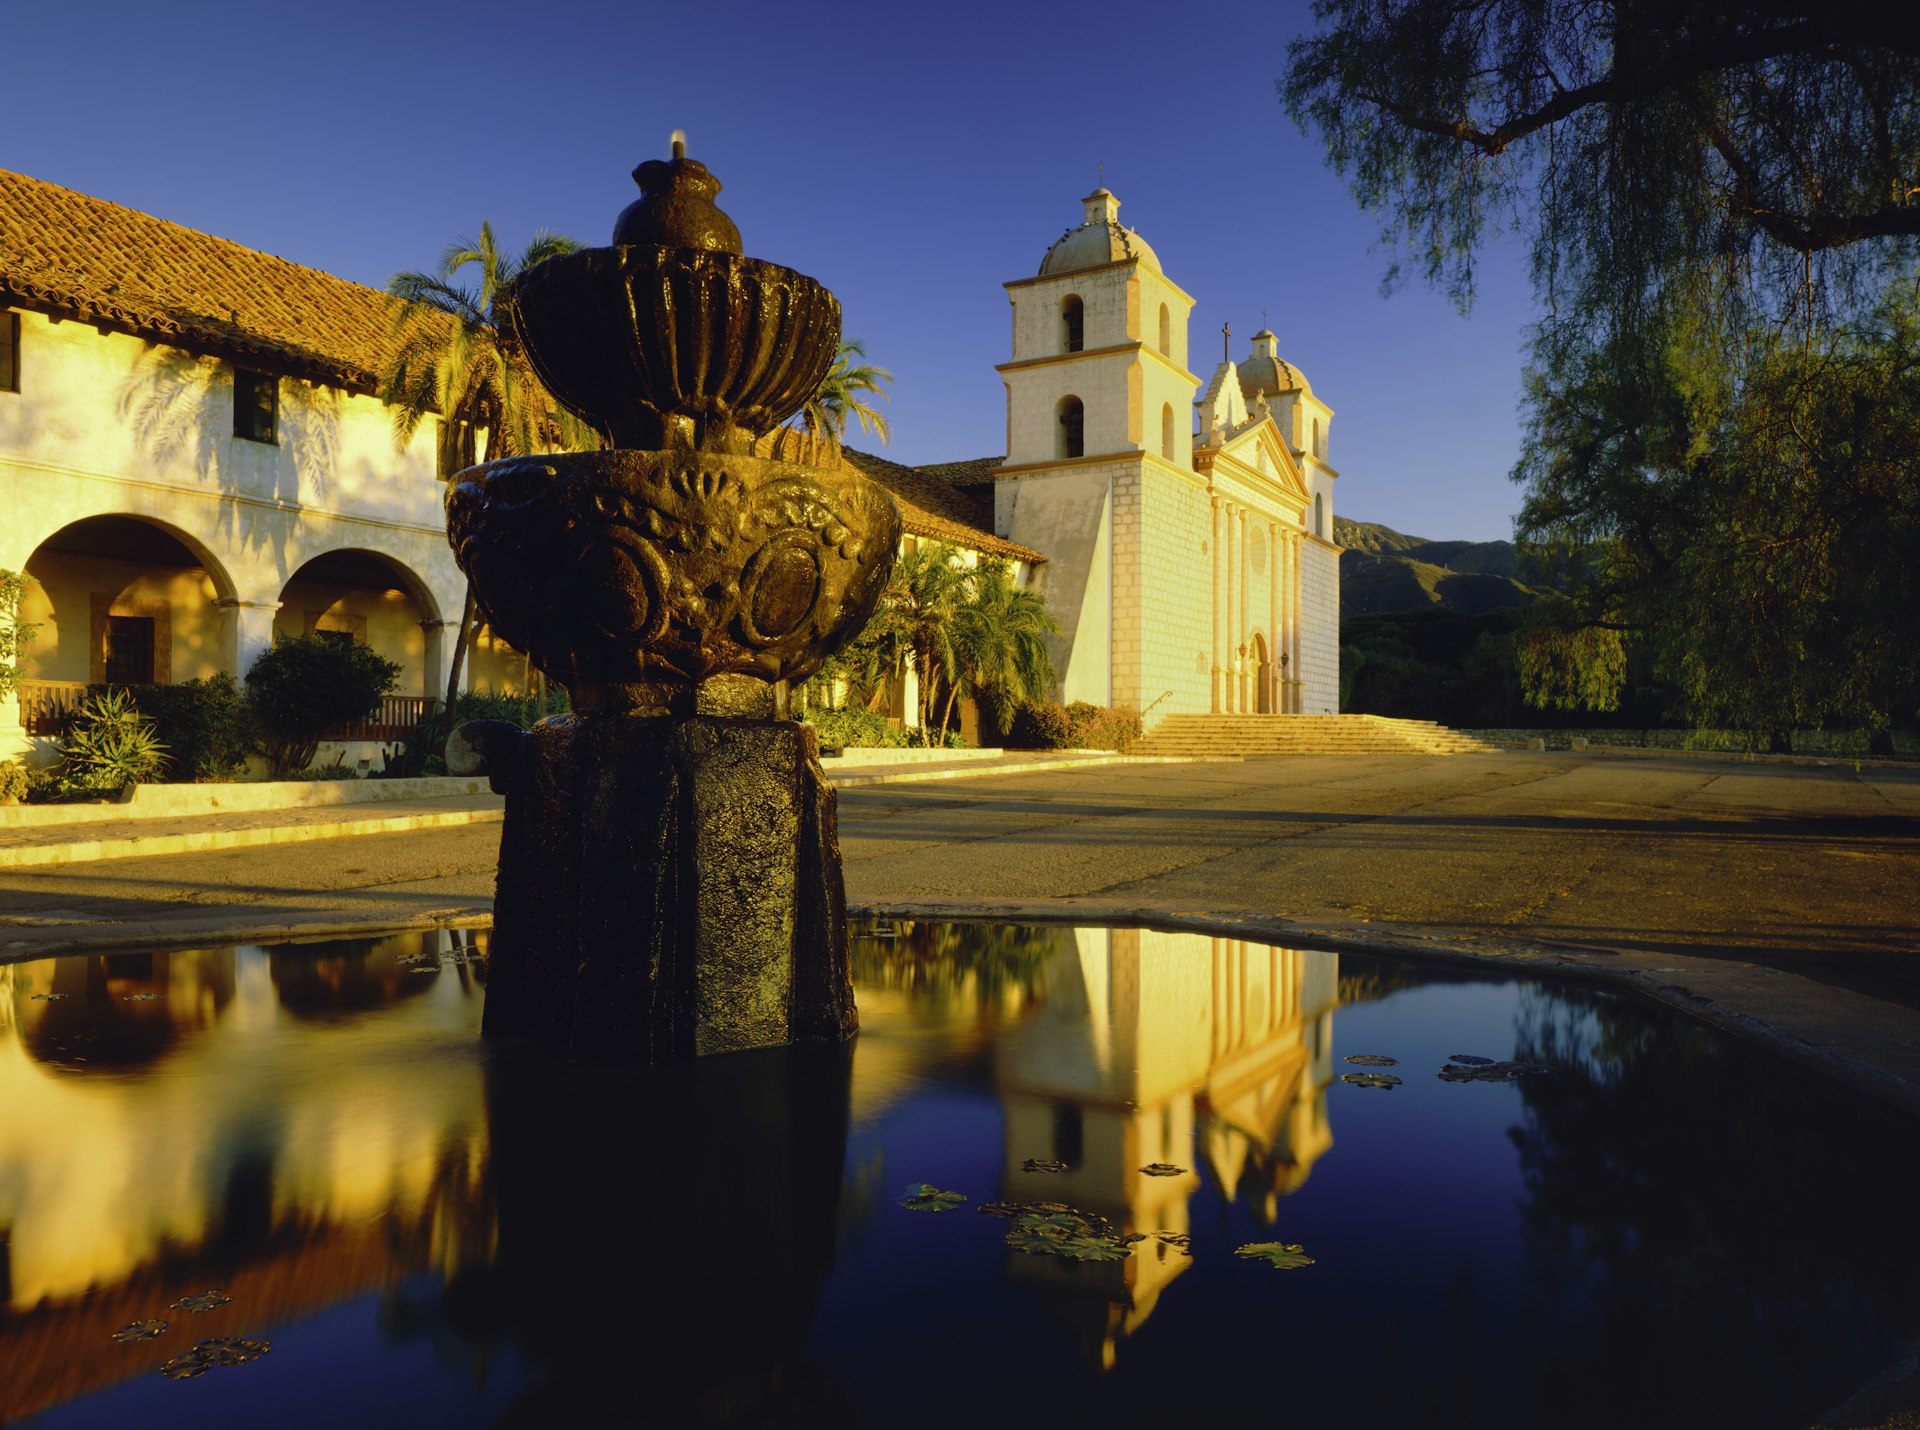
1776, 899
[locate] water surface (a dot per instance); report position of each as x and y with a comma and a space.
1668, 1228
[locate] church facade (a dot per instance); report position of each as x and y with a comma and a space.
1190, 559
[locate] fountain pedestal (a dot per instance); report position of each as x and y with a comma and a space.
669, 879
669, 888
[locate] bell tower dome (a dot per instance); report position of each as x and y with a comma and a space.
1099, 349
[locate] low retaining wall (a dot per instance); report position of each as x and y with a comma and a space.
152, 801
890, 755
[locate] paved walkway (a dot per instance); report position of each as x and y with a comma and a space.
1779, 900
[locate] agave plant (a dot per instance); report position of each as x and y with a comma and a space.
109, 745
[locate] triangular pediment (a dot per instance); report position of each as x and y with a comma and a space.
1262, 438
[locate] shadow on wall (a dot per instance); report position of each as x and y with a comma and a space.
179, 407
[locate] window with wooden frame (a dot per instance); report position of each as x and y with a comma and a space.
9, 351
256, 405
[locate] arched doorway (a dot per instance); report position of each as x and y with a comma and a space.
118, 600
1263, 675
362, 596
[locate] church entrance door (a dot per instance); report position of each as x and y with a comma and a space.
1263, 676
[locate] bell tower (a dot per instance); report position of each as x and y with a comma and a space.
1099, 403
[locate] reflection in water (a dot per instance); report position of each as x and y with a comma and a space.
210, 1136
317, 1131
1170, 1048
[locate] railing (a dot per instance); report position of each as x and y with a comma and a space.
397, 717
47, 705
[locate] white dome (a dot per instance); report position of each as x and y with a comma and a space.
1098, 241
1267, 372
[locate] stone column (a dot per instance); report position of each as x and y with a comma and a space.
433, 664
1219, 554
246, 630
1274, 668
1293, 624
1247, 706
1284, 622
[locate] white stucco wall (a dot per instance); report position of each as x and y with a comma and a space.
1319, 627
1069, 515
1172, 599
106, 424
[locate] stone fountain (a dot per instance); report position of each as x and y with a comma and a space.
669, 879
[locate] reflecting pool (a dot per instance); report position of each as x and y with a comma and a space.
301, 1160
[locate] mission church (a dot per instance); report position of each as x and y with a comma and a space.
194, 460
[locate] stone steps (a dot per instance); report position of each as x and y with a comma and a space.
1254, 735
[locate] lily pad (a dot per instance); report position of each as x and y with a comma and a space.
1065, 1232
1455, 1075
1163, 1169
49, 997
1092, 1248
923, 1197
1370, 1079
219, 1351
1372, 1060
1178, 1240
205, 1301
1281, 1255
140, 997
1471, 1060
1042, 1164
139, 1331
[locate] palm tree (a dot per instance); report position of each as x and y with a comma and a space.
452, 352
839, 397
999, 640
926, 590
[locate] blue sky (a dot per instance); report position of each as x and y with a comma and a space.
911, 157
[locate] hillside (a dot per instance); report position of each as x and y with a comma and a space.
1388, 570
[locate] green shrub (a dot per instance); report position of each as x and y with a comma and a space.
334, 771
856, 728
204, 724
14, 783
1079, 726
109, 744
308, 685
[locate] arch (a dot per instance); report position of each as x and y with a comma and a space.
121, 599
1073, 324
1166, 332
1319, 514
359, 563
1319, 442
369, 597
1166, 431
1263, 674
203, 556
1070, 428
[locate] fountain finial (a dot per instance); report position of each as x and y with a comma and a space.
675, 208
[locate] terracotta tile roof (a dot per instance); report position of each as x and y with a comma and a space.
973, 473
116, 268
928, 506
